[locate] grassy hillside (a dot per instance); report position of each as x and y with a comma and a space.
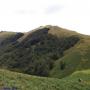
8, 37
76, 58
76, 81
46, 51
36, 52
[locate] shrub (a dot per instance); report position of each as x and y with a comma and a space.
62, 65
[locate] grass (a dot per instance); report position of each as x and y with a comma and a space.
75, 58
71, 62
36, 52
38, 59
74, 76
28, 82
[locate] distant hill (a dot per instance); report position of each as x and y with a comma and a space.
48, 51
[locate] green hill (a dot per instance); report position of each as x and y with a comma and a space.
76, 58
8, 37
79, 80
46, 58
48, 51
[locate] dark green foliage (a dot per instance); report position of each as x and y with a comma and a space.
62, 65
36, 54
54, 57
11, 39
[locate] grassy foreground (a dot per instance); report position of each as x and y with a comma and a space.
20, 81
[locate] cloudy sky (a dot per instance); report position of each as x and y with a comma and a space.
25, 15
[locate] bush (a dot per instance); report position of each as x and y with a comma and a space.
62, 65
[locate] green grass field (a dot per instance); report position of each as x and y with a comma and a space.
27, 82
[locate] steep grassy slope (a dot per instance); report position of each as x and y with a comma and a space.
77, 81
36, 52
5, 36
76, 58
46, 51
8, 37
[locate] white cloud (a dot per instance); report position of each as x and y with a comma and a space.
54, 9
24, 15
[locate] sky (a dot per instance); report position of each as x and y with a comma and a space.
25, 15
